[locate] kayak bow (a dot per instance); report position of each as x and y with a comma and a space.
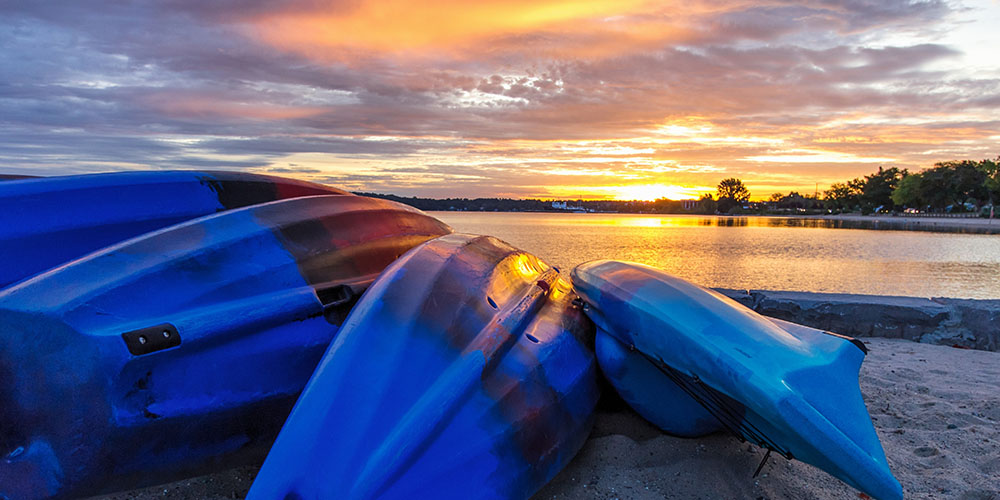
703, 362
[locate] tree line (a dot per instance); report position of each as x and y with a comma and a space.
663, 206
950, 186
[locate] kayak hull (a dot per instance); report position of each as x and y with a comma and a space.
45, 222
632, 374
479, 383
183, 350
785, 387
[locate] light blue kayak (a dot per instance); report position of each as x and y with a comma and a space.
464, 372
694, 361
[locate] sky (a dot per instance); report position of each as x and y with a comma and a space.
564, 99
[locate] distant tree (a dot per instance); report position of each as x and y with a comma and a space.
796, 200
856, 186
667, 206
907, 192
840, 197
775, 197
707, 205
967, 183
953, 184
733, 188
933, 188
732, 193
991, 180
876, 192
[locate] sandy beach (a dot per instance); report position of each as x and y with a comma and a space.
936, 410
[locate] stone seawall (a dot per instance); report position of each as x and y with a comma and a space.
959, 322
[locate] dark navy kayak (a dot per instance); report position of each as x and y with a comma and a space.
47, 221
694, 361
465, 372
182, 351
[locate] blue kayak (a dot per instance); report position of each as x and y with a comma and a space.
182, 351
45, 222
694, 361
465, 372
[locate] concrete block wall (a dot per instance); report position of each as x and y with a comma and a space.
967, 323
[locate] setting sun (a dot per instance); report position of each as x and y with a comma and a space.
650, 192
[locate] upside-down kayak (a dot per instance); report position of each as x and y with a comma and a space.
183, 350
464, 372
702, 362
47, 221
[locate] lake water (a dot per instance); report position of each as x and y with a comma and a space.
771, 253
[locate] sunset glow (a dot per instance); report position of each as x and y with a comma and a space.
400, 27
649, 192
566, 99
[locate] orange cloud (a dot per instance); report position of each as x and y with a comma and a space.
400, 27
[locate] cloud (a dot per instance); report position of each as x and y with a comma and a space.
490, 96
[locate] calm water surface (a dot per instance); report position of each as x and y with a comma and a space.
772, 253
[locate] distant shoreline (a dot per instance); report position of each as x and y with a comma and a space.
973, 225
932, 221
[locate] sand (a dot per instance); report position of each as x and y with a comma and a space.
936, 410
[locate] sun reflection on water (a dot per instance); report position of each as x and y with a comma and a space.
757, 252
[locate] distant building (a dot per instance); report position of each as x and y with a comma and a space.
564, 205
689, 204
